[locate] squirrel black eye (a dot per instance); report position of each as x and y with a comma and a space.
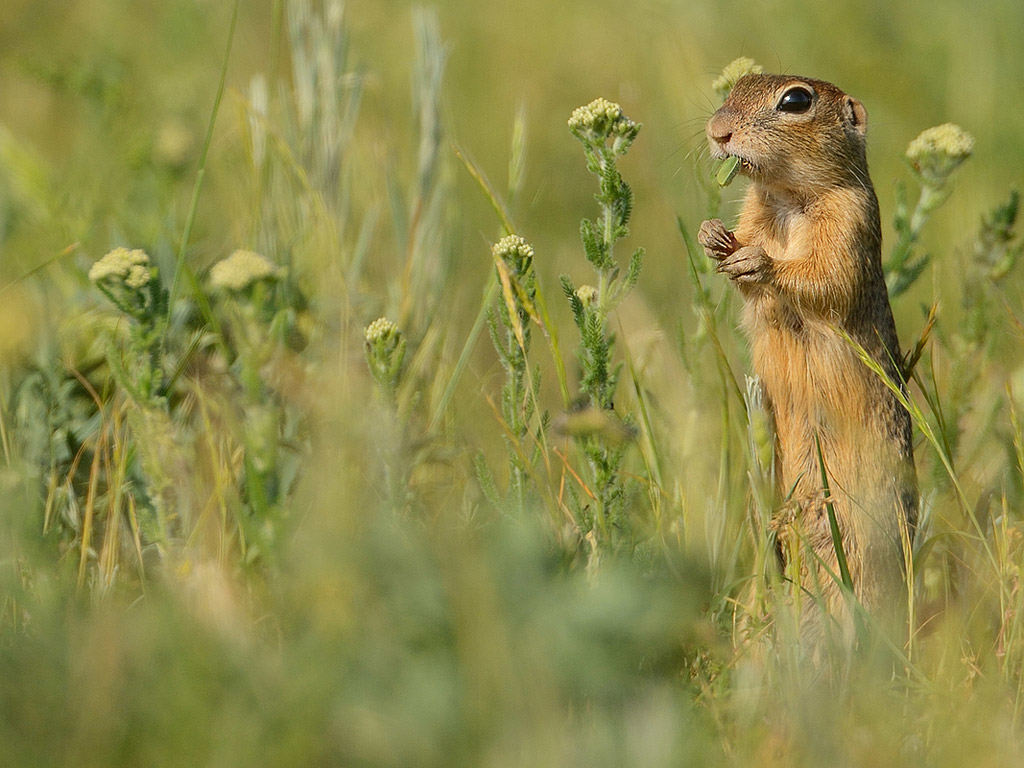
796, 99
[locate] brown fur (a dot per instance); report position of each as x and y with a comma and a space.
806, 256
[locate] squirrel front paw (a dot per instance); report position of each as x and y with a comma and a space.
749, 264
718, 241
742, 263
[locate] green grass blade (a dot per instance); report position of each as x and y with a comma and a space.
833, 522
197, 188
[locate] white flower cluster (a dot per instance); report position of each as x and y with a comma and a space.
130, 267
380, 329
948, 139
241, 269
936, 152
601, 119
385, 354
512, 247
734, 71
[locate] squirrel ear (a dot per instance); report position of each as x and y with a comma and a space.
856, 115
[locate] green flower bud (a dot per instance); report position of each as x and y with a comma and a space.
385, 353
600, 120
515, 251
380, 331
587, 294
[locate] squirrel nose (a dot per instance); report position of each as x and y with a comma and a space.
719, 131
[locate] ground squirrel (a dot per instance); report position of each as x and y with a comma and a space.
806, 256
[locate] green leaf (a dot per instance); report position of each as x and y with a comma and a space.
574, 301
636, 263
900, 281
594, 247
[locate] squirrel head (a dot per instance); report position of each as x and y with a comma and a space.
792, 134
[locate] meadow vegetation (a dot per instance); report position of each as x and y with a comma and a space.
329, 435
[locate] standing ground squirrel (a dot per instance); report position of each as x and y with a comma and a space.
806, 256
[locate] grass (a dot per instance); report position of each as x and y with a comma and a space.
238, 530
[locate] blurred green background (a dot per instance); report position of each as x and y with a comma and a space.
455, 638
99, 89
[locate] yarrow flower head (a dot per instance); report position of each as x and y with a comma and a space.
385, 353
138, 276
587, 294
600, 120
512, 246
514, 251
129, 280
380, 330
937, 152
130, 267
734, 71
241, 269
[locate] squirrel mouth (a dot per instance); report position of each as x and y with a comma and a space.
729, 167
